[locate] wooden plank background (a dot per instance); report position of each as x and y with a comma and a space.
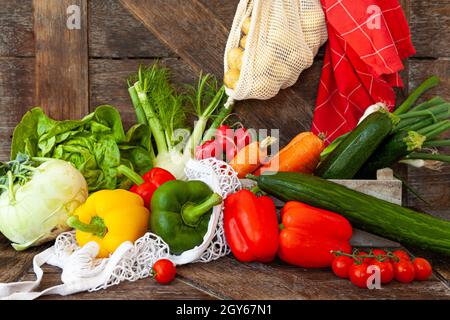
188, 36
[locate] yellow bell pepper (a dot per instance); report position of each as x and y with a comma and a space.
110, 217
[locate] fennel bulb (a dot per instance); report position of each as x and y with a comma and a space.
36, 202
163, 108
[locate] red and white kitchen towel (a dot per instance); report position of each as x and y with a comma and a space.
367, 41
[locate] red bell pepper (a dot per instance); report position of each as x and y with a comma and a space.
147, 185
251, 226
310, 234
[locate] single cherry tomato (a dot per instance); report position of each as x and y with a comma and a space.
422, 269
341, 266
360, 257
358, 275
401, 255
164, 271
242, 138
206, 150
379, 255
386, 270
404, 271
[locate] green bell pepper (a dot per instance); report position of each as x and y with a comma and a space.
180, 213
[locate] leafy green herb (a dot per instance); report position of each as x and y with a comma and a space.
96, 145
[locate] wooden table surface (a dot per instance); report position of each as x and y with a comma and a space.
69, 73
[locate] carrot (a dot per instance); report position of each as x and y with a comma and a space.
249, 158
302, 154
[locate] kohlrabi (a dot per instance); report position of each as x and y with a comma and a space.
35, 202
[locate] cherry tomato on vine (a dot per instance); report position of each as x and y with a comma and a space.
361, 257
422, 268
379, 255
402, 255
164, 271
358, 275
341, 266
404, 271
386, 270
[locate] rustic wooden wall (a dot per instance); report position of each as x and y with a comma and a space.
188, 36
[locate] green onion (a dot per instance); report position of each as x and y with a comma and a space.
426, 85
429, 156
437, 143
427, 104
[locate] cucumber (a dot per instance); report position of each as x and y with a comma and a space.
398, 146
363, 211
351, 154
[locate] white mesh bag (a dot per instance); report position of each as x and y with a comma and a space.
81, 271
283, 38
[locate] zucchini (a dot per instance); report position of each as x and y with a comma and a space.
351, 154
363, 211
387, 154
333, 146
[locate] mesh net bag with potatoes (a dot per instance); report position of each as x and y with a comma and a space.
270, 43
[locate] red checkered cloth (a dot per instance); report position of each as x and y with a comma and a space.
367, 41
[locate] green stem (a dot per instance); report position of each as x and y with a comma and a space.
140, 114
96, 226
252, 177
417, 124
256, 189
438, 130
421, 122
429, 156
199, 129
428, 104
11, 193
428, 112
426, 85
130, 174
223, 114
192, 213
426, 130
41, 159
152, 118
437, 143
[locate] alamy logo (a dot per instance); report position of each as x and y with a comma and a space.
374, 280
74, 17
374, 21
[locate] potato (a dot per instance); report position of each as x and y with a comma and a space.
231, 78
243, 42
235, 56
246, 25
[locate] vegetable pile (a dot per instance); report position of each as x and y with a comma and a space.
383, 138
136, 181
